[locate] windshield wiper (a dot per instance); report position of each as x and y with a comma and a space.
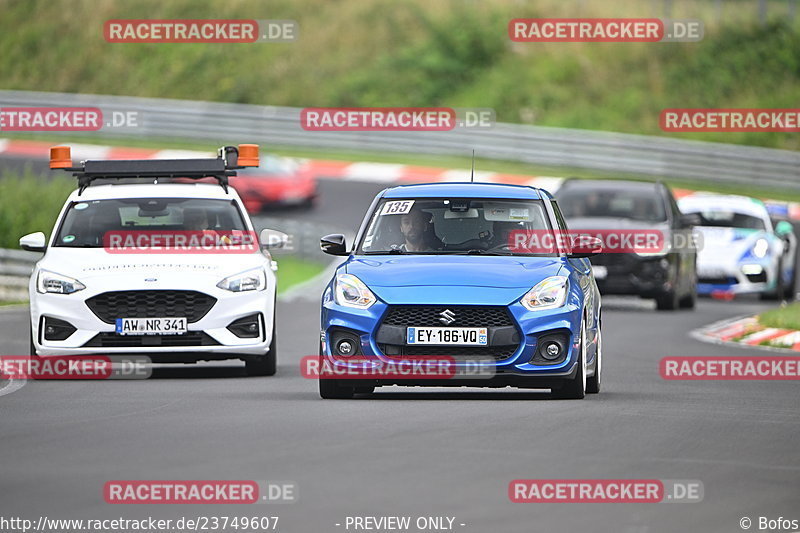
478, 251
394, 251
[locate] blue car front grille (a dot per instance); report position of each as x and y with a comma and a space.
465, 316
503, 332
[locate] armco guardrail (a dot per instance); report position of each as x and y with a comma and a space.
15, 271
280, 126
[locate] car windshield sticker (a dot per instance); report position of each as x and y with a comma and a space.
505, 213
400, 207
68, 238
518, 214
81, 206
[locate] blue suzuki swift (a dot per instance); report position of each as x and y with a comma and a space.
434, 272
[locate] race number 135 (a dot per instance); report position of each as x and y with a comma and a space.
400, 207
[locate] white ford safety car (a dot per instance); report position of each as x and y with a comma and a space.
741, 251
142, 266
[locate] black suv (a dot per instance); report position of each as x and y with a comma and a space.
668, 276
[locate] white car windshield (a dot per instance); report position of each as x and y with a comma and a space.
86, 223
728, 218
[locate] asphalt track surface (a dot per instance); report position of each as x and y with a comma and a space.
412, 452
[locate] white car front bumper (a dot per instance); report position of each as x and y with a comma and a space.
218, 339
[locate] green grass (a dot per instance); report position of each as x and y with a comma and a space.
29, 203
786, 317
292, 271
12, 302
421, 53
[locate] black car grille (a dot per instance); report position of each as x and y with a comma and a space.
719, 280
498, 353
112, 340
466, 316
109, 306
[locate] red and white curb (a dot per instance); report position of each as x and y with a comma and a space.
323, 169
747, 332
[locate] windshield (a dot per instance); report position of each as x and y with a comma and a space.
85, 223
451, 226
636, 204
727, 218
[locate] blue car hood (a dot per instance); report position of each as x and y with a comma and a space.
461, 271
453, 279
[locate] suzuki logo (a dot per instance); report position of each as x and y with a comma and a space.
448, 317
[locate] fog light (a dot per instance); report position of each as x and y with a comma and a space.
247, 327
57, 330
551, 348
345, 347
751, 270
552, 351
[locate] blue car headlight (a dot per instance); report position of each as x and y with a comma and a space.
547, 294
350, 291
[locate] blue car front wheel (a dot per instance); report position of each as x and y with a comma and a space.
575, 388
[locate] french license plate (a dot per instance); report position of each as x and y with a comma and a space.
461, 336
600, 271
151, 326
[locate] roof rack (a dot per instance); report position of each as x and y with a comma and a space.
228, 160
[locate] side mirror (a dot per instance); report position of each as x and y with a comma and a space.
271, 238
784, 229
690, 219
33, 242
333, 244
585, 246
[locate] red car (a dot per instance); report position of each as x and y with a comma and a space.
278, 181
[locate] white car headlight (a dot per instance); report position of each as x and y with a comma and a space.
760, 248
250, 280
350, 291
547, 294
51, 282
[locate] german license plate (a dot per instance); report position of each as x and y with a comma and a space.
460, 336
151, 326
